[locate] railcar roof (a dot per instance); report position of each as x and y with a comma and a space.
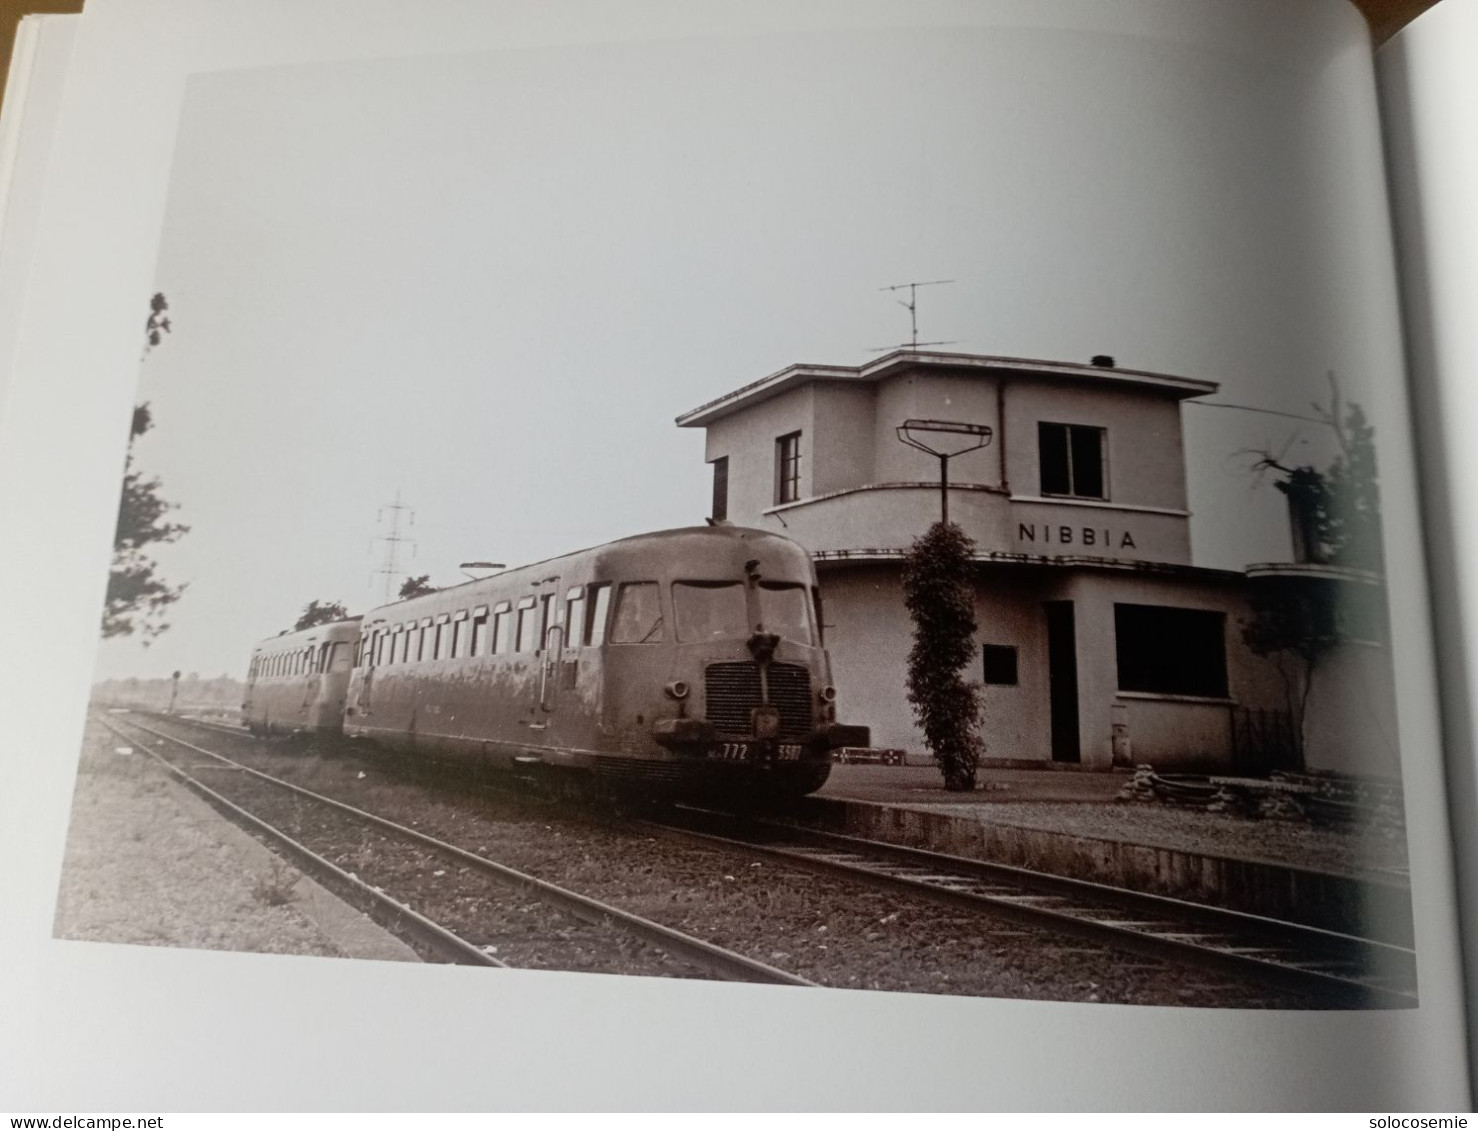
632, 541
302, 633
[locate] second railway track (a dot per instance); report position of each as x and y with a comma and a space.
1341, 970
883, 917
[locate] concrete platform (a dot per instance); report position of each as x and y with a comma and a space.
908, 805
922, 785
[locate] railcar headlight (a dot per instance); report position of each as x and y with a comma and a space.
677, 689
827, 694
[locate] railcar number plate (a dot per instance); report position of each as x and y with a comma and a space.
744, 752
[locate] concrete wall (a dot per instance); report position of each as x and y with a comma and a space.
863, 489
748, 439
870, 633
1166, 731
843, 420
969, 400
1146, 458
1351, 722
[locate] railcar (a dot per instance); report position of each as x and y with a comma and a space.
297, 682
687, 660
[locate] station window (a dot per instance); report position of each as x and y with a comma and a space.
788, 468
1071, 460
1171, 651
599, 597
1000, 664
502, 617
638, 617
720, 510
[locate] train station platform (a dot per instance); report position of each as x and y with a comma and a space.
924, 785
1345, 878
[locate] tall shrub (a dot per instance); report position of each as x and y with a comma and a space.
939, 591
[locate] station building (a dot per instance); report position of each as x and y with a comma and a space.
1101, 643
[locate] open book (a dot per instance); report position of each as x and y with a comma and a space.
1065, 336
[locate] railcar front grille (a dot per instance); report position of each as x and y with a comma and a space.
733, 691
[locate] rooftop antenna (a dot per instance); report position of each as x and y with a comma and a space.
390, 563
912, 306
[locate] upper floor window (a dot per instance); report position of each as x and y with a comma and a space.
1072, 460
720, 510
788, 468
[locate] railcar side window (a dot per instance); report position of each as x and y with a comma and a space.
528, 624
478, 644
502, 619
820, 620
441, 639
548, 614
600, 606
574, 618
638, 617
785, 611
709, 610
340, 658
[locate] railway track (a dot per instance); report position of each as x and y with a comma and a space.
1337, 969
1327, 968
433, 937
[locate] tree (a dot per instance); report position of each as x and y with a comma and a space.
416, 587
1335, 512
939, 592
157, 324
1336, 519
320, 612
137, 597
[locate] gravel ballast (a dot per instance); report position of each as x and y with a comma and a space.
832, 931
148, 863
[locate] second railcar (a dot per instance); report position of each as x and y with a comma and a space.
687, 659
297, 681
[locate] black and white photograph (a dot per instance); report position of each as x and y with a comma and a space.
742, 529
749, 535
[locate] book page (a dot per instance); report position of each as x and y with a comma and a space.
501, 266
1430, 109
32, 100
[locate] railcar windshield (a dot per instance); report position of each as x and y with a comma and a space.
638, 617
785, 609
709, 610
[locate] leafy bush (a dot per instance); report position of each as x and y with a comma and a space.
939, 592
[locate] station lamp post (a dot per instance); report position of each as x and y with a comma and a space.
955, 438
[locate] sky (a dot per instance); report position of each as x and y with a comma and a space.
485, 284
